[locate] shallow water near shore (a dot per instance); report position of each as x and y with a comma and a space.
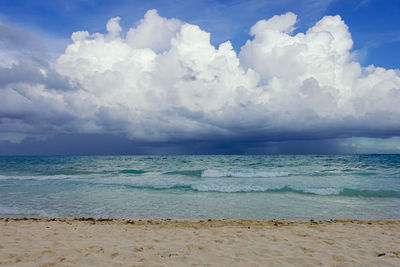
234, 187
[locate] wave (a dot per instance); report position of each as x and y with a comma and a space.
132, 171
197, 173
34, 177
14, 212
242, 174
227, 188
226, 173
324, 191
223, 187
66, 172
369, 193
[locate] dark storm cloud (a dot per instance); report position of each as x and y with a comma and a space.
14, 38
26, 78
108, 144
30, 73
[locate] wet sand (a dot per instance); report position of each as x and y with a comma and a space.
89, 242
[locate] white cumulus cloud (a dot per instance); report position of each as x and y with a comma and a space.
163, 80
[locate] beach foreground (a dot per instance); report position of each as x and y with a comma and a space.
66, 242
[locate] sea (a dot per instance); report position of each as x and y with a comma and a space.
290, 187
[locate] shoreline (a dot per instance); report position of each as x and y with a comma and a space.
204, 222
212, 242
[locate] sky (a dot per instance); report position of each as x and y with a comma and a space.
199, 77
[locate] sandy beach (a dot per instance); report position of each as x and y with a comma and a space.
83, 242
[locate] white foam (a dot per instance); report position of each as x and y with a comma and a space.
242, 174
228, 188
34, 177
18, 212
323, 191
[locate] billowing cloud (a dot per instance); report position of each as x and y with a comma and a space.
164, 81
153, 32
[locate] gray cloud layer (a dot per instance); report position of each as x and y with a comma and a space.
164, 82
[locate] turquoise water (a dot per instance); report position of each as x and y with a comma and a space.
236, 187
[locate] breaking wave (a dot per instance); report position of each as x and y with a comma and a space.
229, 188
242, 174
197, 173
227, 173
